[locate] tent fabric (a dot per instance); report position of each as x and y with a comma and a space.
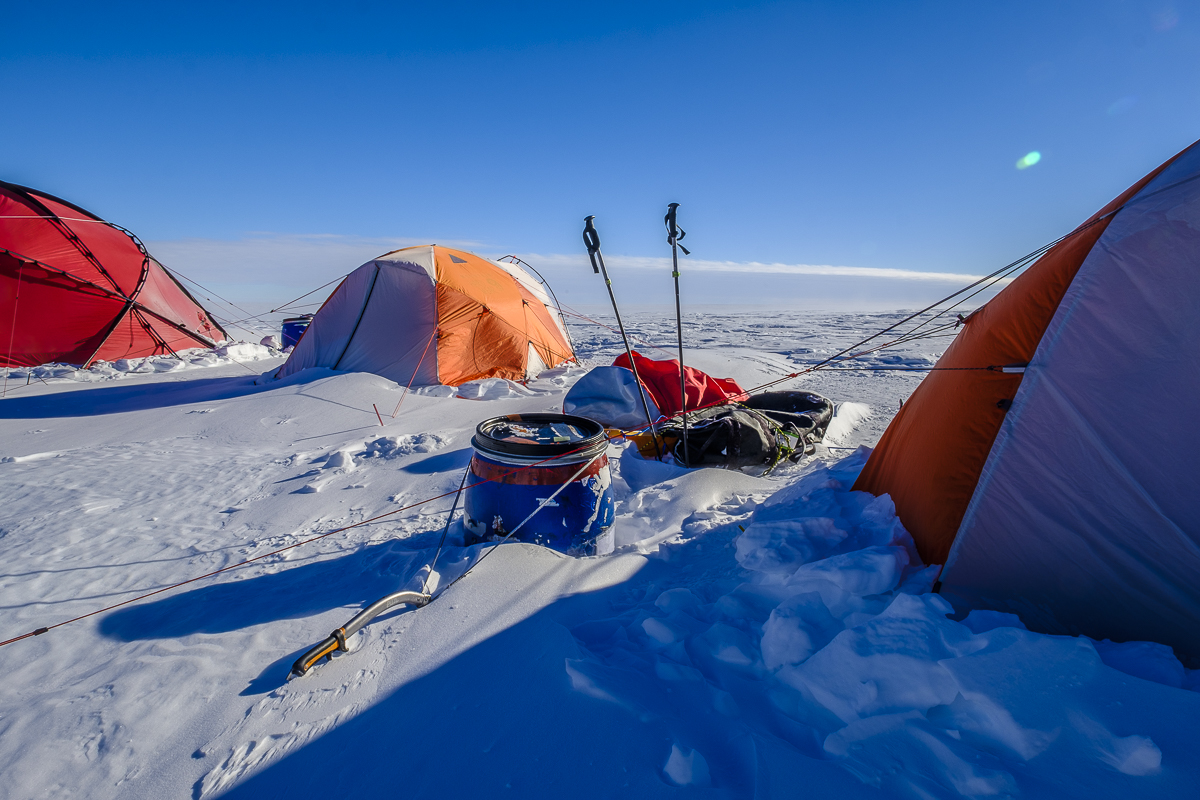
661, 379
609, 395
76, 289
431, 315
1049, 508
930, 457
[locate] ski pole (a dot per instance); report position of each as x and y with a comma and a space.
591, 240
674, 235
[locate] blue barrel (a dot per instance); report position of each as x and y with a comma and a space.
293, 329
519, 462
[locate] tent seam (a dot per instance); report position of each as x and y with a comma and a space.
72, 237
437, 317
361, 313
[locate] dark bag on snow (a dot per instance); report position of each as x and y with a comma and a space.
804, 416
728, 436
758, 433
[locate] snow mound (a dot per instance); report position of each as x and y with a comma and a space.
245, 351
199, 358
1150, 661
686, 767
436, 391
493, 389
828, 636
846, 417
549, 381
389, 447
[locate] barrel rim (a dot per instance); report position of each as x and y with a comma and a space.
484, 443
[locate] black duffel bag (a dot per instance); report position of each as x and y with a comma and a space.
804, 416
759, 433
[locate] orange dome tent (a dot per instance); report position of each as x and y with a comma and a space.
1049, 460
74, 289
431, 315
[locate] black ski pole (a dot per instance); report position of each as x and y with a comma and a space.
591, 239
674, 235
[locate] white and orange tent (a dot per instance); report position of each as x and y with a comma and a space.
1064, 487
432, 315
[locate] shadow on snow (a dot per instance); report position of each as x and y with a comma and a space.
233, 604
556, 705
441, 462
129, 397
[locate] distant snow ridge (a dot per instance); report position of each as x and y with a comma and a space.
830, 639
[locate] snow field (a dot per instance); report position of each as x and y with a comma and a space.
750, 638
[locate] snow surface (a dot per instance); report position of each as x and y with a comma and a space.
241, 353
750, 638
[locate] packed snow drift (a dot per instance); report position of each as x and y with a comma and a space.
750, 638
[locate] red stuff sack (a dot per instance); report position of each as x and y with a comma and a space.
661, 379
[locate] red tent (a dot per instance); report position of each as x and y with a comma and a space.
74, 289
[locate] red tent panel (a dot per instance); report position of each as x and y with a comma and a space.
74, 288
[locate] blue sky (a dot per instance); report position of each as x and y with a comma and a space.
267, 149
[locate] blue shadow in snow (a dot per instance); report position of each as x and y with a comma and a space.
442, 462
140, 396
276, 673
468, 729
292, 592
526, 713
129, 397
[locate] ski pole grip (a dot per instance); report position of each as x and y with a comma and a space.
675, 233
591, 240
669, 219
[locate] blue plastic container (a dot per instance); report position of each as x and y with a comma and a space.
293, 329
519, 461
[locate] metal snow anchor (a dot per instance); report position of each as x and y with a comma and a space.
337, 639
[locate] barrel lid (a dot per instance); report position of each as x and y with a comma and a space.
543, 435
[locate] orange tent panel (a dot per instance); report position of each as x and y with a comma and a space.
930, 458
487, 321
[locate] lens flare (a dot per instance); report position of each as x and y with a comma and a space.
1029, 159
1123, 105
1166, 19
